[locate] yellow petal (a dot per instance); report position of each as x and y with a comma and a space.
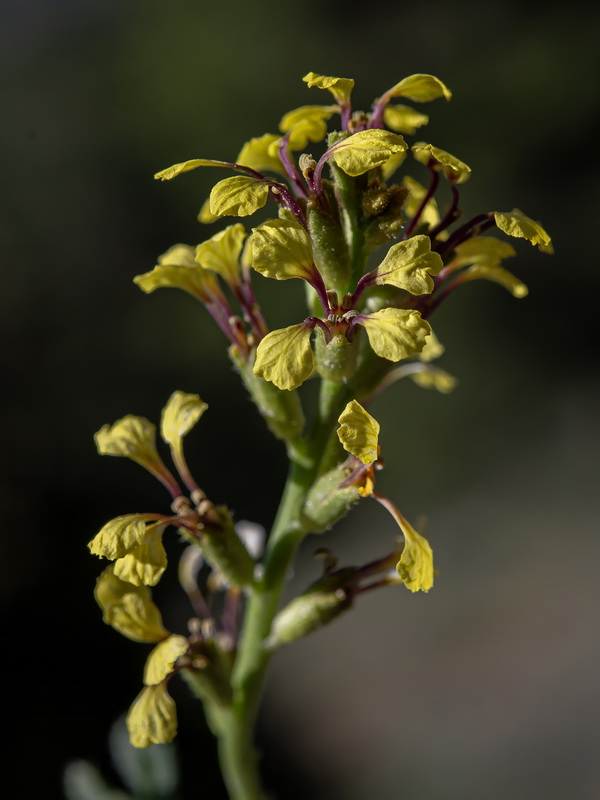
430, 213
498, 275
152, 719
415, 567
392, 164
258, 155
239, 196
435, 378
366, 150
396, 333
221, 253
118, 537
340, 88
420, 89
433, 348
179, 416
453, 167
404, 119
205, 215
306, 124
409, 265
160, 662
281, 249
359, 432
132, 437
186, 166
485, 250
129, 609
144, 565
194, 280
285, 357
516, 223
305, 114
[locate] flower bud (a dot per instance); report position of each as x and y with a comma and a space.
224, 549
320, 604
327, 501
281, 409
336, 359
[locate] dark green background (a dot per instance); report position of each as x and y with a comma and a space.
486, 687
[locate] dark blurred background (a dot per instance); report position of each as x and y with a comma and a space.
487, 686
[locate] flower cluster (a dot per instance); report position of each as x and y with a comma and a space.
367, 311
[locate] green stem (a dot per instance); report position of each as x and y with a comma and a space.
239, 759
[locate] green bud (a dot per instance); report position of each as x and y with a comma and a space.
323, 602
280, 409
224, 549
329, 248
326, 503
336, 359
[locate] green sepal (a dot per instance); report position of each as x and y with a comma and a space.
326, 502
281, 410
